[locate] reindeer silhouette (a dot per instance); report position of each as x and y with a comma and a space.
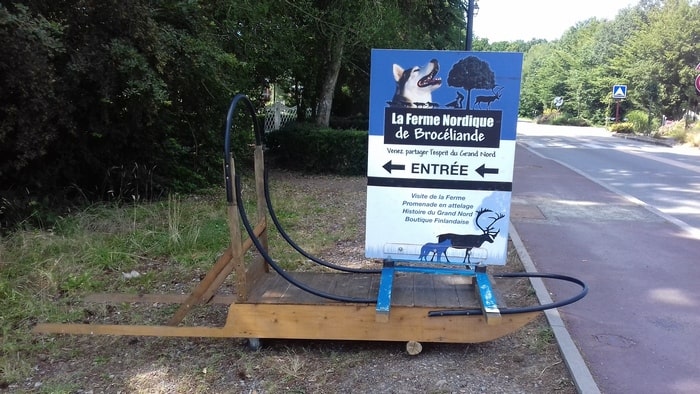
489, 99
470, 241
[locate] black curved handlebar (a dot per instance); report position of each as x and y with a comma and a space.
227, 138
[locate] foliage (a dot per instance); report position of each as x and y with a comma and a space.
359, 122
681, 131
622, 127
555, 117
567, 120
313, 149
650, 47
30, 115
548, 116
125, 101
640, 121
662, 56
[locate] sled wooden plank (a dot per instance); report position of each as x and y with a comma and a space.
374, 286
317, 282
118, 298
260, 266
269, 289
196, 296
488, 299
113, 329
358, 322
447, 289
403, 292
273, 289
424, 289
354, 285
333, 321
464, 289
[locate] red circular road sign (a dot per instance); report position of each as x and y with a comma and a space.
697, 83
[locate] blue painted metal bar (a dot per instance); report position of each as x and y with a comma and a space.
386, 281
434, 270
486, 292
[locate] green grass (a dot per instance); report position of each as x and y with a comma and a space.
46, 272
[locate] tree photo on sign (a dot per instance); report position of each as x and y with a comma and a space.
471, 73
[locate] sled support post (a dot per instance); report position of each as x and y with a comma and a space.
486, 294
386, 281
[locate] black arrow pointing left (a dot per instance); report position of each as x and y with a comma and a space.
483, 170
389, 167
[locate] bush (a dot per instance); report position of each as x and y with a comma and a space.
680, 132
622, 127
350, 123
639, 120
548, 116
309, 148
566, 120
555, 117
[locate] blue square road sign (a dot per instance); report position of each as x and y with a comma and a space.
619, 91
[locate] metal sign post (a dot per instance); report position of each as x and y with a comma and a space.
619, 92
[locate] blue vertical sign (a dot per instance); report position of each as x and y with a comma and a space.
442, 134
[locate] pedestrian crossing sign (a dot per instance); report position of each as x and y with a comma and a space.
619, 91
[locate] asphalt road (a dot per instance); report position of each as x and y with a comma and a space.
663, 178
622, 216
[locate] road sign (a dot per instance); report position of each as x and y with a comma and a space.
558, 101
619, 91
440, 156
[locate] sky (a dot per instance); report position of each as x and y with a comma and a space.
511, 20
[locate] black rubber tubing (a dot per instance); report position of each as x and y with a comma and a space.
293, 244
277, 268
446, 312
511, 311
248, 105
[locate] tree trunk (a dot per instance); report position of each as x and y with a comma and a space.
330, 78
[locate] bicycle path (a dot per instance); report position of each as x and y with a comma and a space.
637, 328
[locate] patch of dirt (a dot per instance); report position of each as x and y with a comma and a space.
526, 361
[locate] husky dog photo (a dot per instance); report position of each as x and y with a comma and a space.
414, 86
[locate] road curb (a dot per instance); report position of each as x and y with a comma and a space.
650, 140
583, 379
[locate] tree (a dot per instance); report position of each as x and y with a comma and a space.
32, 109
343, 27
664, 54
471, 73
111, 99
